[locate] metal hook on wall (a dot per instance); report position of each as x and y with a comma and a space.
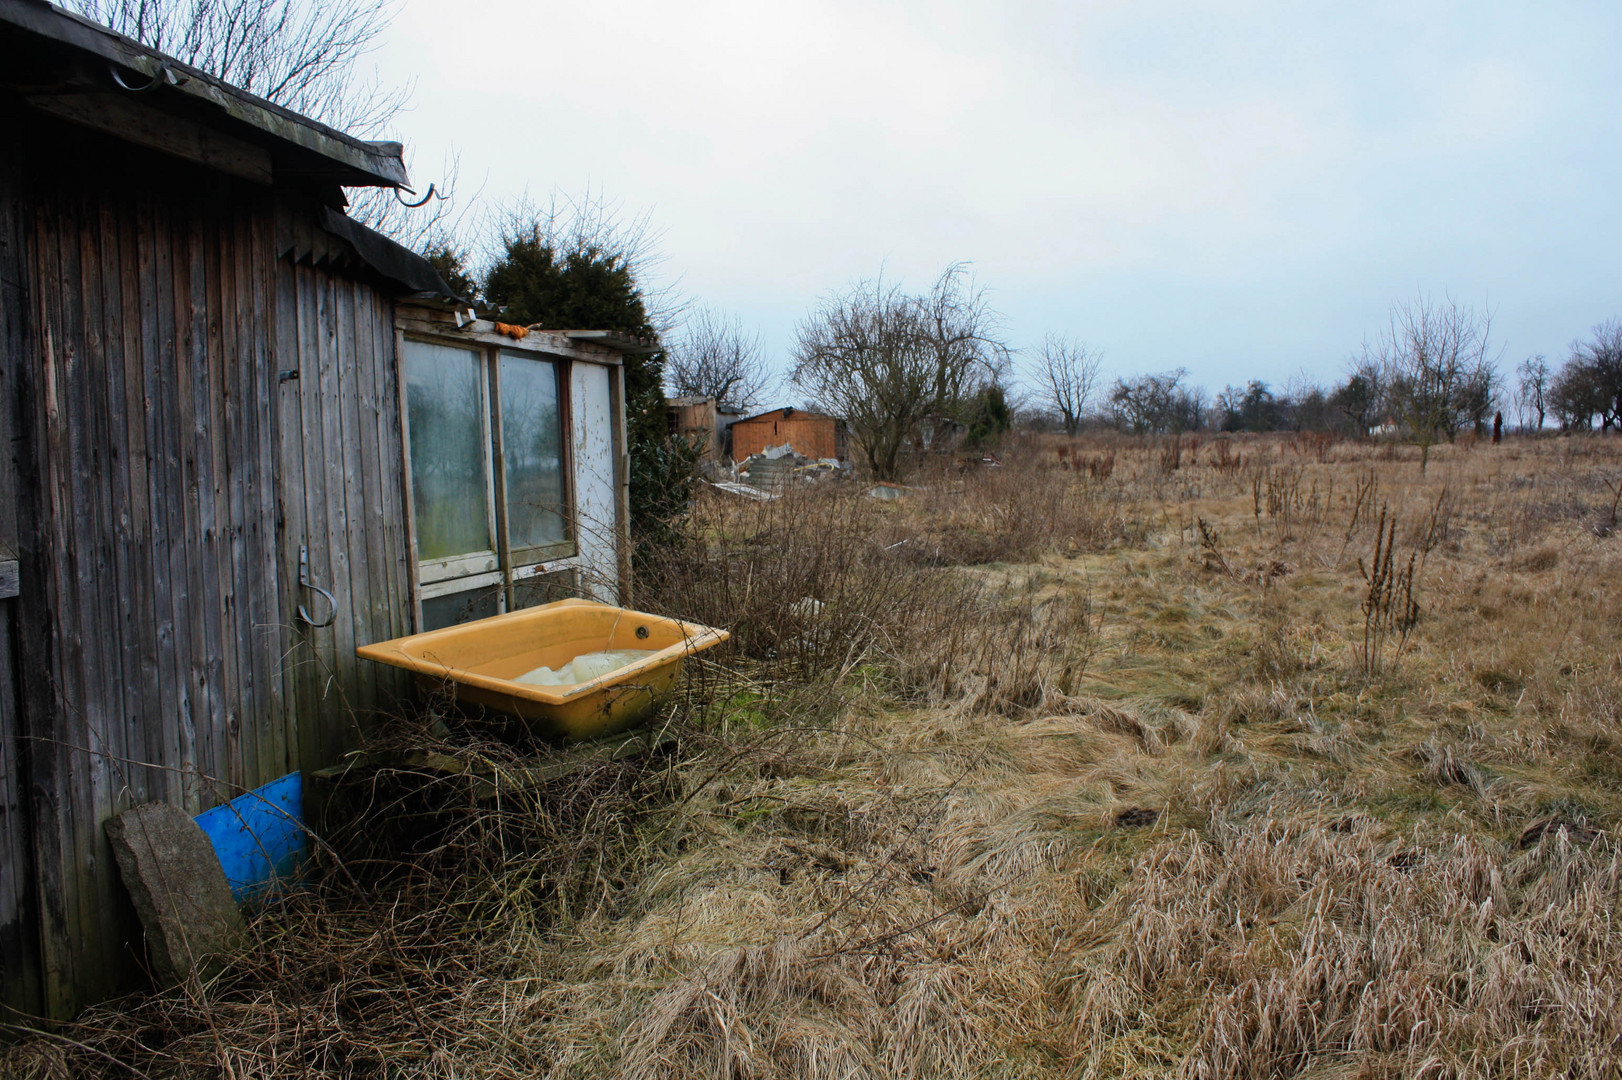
304, 580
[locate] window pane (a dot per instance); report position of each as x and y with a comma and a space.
442, 611
448, 482
532, 445
545, 588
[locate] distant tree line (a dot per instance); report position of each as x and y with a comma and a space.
1429, 374
895, 364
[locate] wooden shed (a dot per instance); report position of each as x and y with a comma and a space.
812, 434
694, 418
243, 435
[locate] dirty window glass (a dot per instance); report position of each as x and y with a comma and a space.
545, 588
443, 611
449, 485
532, 448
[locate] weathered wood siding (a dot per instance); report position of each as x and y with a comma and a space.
168, 476
19, 938
342, 489
695, 419
151, 570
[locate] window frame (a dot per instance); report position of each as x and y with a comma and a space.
503, 566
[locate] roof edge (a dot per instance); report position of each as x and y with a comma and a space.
611, 339
813, 413
389, 258
377, 164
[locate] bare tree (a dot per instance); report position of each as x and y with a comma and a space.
960, 332
1066, 374
716, 357
1575, 397
1252, 408
889, 362
1304, 405
1532, 391
1361, 397
1597, 363
1438, 368
1191, 407
1154, 404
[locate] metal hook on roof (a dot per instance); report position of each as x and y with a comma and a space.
165, 76
420, 202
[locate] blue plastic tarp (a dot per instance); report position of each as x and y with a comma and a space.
259, 837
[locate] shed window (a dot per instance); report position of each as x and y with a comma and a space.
532, 434
450, 488
461, 607
490, 503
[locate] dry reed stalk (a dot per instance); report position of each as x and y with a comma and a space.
1389, 605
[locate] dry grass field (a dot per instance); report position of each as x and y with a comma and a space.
1237, 758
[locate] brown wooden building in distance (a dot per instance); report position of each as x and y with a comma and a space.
811, 434
694, 418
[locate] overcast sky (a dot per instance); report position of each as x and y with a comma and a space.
1241, 189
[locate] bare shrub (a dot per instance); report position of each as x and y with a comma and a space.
1211, 549
1615, 488
805, 583
1171, 454
1099, 466
1313, 445
1367, 490
445, 860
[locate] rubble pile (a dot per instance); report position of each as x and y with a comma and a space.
779, 467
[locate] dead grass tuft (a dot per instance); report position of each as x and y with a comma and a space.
1445, 764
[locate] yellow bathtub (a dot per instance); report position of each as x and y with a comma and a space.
481, 659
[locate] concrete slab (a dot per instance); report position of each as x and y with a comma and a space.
179, 889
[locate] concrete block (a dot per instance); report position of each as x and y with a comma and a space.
179, 889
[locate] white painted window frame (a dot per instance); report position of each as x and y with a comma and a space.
464, 574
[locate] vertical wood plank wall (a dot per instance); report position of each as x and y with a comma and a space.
19, 937
342, 491
172, 477
156, 550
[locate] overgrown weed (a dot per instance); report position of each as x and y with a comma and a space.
1010, 777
